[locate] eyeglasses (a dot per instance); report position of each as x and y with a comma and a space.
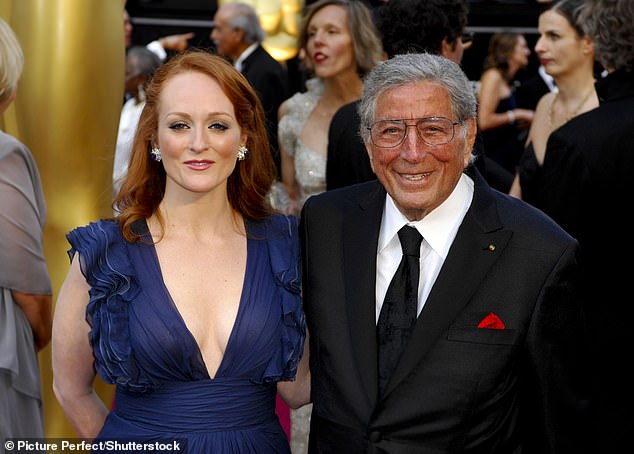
431, 130
467, 37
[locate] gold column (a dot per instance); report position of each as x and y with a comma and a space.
67, 113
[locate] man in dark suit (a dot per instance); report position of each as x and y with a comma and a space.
485, 354
587, 184
531, 89
238, 35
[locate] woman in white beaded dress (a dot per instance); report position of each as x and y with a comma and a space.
341, 44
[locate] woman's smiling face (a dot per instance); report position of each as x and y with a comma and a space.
198, 134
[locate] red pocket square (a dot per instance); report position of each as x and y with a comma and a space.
491, 321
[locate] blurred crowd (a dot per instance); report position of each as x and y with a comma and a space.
555, 128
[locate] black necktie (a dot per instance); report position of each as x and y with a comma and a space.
399, 310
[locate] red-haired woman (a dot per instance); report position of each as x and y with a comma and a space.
189, 300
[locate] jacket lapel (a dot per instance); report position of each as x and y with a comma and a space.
479, 242
247, 62
360, 242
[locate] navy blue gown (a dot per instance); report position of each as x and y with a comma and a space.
505, 144
141, 342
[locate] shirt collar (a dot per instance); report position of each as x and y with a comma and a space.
547, 78
439, 227
243, 56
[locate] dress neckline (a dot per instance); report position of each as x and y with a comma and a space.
147, 237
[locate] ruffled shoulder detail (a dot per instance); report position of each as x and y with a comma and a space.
282, 235
105, 263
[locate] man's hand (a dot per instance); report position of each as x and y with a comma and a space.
176, 42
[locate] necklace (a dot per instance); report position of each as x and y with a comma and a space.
572, 114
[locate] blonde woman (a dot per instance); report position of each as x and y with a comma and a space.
25, 286
341, 44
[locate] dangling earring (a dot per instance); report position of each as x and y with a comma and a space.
242, 153
156, 154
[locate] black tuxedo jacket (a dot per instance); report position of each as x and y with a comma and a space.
587, 188
268, 78
458, 388
530, 92
348, 162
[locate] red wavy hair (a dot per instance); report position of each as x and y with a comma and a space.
144, 185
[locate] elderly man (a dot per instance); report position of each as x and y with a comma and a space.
237, 35
442, 314
434, 26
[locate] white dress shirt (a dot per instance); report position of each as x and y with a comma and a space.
548, 79
438, 230
158, 50
248, 51
128, 122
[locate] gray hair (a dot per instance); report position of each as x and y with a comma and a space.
610, 24
246, 19
11, 62
143, 60
407, 69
